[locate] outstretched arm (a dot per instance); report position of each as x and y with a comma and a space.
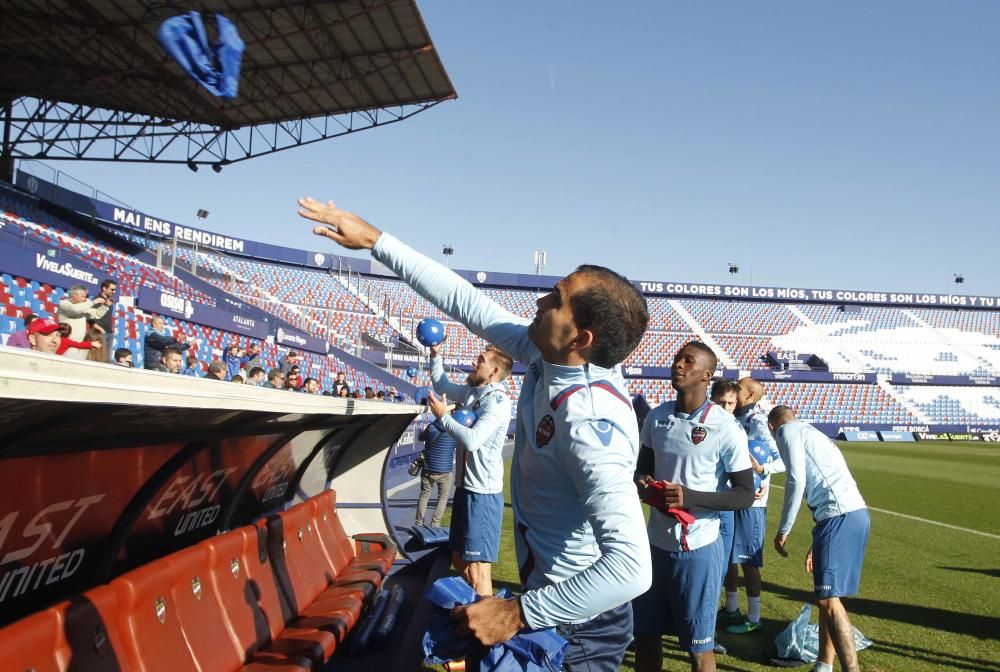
439, 285
442, 385
494, 416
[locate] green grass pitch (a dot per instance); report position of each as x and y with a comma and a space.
930, 595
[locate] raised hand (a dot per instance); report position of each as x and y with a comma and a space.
342, 227
436, 349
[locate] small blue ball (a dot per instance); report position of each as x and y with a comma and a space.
760, 451
430, 332
465, 416
411, 372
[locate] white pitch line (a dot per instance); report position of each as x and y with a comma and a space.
402, 486
925, 520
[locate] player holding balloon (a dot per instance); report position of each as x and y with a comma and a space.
477, 512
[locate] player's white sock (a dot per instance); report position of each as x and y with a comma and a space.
732, 602
753, 609
823, 667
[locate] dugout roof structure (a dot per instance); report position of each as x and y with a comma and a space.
88, 79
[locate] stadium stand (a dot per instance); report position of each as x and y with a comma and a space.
958, 405
742, 317
842, 404
356, 312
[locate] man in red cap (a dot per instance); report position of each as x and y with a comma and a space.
44, 335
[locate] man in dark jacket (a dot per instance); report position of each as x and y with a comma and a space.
439, 456
157, 339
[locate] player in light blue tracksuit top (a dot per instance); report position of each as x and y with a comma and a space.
581, 544
477, 513
816, 469
750, 525
694, 464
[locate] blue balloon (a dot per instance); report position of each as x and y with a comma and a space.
760, 451
411, 372
420, 396
430, 332
465, 416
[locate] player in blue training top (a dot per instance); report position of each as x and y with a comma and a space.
750, 525
816, 469
724, 393
581, 547
477, 512
690, 448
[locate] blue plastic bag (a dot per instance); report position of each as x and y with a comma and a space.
216, 67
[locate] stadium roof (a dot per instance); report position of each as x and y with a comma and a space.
93, 70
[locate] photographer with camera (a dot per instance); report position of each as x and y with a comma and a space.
438, 463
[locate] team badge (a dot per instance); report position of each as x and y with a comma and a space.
698, 435
546, 428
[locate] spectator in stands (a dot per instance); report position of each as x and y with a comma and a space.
192, 367
286, 363
369, 393
103, 313
393, 395
235, 360
158, 339
340, 382
293, 381
123, 357
170, 360
343, 391
216, 370
275, 380
439, 461
310, 386
74, 309
96, 335
380, 395
256, 376
44, 335
19, 339
237, 379
577, 438
66, 343
253, 357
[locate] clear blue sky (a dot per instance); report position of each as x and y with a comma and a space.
824, 144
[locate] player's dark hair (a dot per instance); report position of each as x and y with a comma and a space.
779, 414
108, 282
255, 371
698, 345
722, 387
614, 310
122, 353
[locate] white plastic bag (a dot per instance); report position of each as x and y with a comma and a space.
801, 638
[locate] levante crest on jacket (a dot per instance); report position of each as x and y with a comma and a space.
546, 428
698, 435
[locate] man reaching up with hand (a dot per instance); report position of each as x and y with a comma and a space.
477, 513
581, 547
